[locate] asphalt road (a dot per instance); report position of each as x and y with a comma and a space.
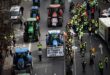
55, 66
48, 66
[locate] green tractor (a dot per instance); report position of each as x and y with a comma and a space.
32, 30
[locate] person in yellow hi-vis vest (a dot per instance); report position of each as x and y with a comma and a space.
39, 51
90, 30
39, 46
101, 67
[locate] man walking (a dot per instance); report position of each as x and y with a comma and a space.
106, 61
101, 67
22, 10
40, 51
84, 65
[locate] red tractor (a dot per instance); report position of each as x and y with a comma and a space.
55, 15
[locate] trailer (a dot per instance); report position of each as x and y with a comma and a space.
104, 30
54, 43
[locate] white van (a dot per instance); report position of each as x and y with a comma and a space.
104, 30
15, 13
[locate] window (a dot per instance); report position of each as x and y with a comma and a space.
14, 13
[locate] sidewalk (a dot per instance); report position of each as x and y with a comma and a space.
6, 67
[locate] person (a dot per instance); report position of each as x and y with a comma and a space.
91, 59
39, 51
71, 6
101, 67
39, 46
22, 9
84, 65
21, 23
40, 55
88, 9
92, 12
84, 45
106, 61
14, 41
81, 47
11, 52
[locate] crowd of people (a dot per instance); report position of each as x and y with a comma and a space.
82, 21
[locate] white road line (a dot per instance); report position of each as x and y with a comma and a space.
54, 74
24, 45
45, 70
30, 46
64, 67
101, 50
94, 69
100, 46
74, 62
35, 74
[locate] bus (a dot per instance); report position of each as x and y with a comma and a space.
104, 30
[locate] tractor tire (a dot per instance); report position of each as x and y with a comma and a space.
60, 22
49, 22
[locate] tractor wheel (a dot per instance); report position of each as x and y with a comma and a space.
49, 22
60, 22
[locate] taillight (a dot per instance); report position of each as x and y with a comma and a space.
38, 18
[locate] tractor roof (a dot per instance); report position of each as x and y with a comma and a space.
21, 50
54, 31
15, 8
54, 6
31, 19
35, 7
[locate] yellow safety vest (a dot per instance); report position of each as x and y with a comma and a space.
101, 65
90, 28
39, 45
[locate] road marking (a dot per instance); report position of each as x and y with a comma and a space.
24, 45
74, 62
45, 70
54, 74
30, 46
100, 46
35, 74
94, 69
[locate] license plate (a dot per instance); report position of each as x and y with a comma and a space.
54, 24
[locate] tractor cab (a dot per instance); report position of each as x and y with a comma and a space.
22, 61
55, 14
61, 2
35, 12
55, 38
31, 30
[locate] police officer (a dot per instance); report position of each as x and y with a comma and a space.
101, 67
40, 51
